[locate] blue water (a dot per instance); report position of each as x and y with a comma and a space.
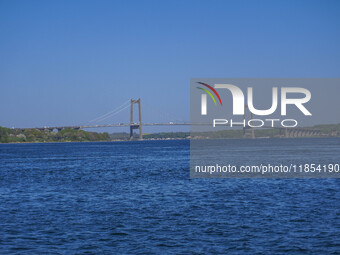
137, 197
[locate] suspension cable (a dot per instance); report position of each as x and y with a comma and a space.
111, 112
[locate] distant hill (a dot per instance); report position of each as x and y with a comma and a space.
8, 135
328, 128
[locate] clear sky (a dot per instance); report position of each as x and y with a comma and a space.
67, 62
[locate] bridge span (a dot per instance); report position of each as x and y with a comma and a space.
248, 132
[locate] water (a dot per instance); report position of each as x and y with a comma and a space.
136, 197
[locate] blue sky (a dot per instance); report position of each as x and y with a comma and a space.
67, 62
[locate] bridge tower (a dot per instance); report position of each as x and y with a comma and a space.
248, 132
136, 125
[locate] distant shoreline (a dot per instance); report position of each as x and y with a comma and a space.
174, 139
136, 140
8, 135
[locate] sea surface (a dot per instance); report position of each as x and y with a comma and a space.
137, 198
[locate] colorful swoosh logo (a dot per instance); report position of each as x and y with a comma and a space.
209, 93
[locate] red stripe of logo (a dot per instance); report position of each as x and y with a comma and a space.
213, 90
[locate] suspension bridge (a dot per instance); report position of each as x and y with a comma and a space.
248, 132
132, 124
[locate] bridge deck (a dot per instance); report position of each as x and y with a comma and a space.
151, 124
